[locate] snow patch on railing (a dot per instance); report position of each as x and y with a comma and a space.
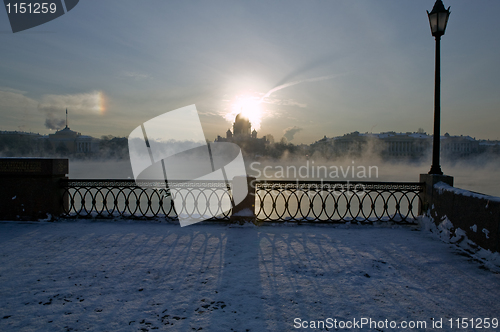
441, 187
244, 213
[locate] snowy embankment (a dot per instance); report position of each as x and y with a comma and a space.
468, 219
448, 233
120, 276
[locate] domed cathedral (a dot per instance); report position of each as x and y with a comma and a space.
244, 136
241, 126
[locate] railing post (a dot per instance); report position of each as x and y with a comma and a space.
31, 188
428, 196
245, 210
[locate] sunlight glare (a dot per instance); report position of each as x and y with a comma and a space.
250, 107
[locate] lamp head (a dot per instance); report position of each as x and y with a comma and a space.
438, 18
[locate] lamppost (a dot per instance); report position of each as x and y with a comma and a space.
438, 18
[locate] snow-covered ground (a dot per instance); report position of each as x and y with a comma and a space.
129, 276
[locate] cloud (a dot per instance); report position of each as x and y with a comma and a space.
51, 122
54, 106
15, 91
11, 98
284, 102
135, 75
324, 60
290, 132
82, 102
289, 84
209, 113
19, 111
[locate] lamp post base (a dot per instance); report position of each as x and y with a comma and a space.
428, 195
436, 170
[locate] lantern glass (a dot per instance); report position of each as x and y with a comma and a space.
442, 21
433, 20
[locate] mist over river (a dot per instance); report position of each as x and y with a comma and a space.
481, 176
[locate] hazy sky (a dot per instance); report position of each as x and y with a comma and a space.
117, 63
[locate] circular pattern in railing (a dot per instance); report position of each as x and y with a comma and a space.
337, 201
124, 198
274, 200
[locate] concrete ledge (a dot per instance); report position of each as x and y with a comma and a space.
31, 188
430, 180
468, 214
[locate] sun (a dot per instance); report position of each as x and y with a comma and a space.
249, 107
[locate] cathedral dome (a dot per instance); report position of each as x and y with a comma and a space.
241, 125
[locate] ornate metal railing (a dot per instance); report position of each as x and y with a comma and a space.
303, 201
144, 199
338, 201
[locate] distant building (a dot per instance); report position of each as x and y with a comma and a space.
243, 136
410, 145
487, 146
20, 135
14, 143
389, 144
69, 141
241, 126
402, 145
458, 146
